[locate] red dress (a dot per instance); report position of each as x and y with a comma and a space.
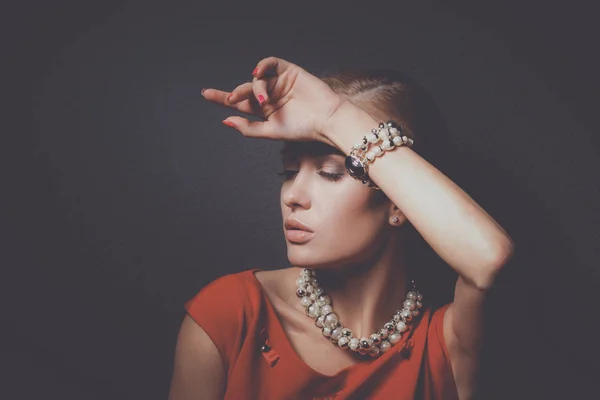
236, 314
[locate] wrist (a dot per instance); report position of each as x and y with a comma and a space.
347, 125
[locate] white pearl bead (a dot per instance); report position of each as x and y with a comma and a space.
401, 326
385, 346
300, 282
419, 304
331, 320
419, 297
397, 140
411, 295
306, 301
372, 138
310, 288
313, 310
357, 146
319, 321
410, 304
353, 344
336, 333
387, 145
326, 309
410, 141
384, 333
326, 332
323, 300
313, 297
370, 156
393, 131
395, 337
407, 314
377, 150
318, 292
343, 341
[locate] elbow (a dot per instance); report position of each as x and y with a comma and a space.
486, 277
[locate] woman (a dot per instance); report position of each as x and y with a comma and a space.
345, 320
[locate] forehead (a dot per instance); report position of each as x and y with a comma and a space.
293, 151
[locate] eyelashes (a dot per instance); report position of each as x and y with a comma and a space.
289, 174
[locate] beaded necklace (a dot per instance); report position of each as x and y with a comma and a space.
317, 305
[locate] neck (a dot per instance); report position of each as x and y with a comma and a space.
366, 295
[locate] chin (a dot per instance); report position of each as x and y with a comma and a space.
311, 261
303, 259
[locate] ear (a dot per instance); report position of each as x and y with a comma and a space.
395, 213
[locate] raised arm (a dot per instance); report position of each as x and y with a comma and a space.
462, 233
198, 371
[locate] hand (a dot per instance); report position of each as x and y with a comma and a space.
293, 104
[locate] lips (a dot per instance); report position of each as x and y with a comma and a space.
294, 224
297, 232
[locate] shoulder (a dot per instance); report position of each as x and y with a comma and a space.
198, 370
223, 293
223, 307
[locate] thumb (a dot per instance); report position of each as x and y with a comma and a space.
257, 129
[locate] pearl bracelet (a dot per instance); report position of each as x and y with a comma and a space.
391, 134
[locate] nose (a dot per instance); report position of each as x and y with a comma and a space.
296, 192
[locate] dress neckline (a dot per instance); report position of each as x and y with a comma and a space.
289, 349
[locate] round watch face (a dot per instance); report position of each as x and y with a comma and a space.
355, 167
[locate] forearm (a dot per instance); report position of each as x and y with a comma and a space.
463, 234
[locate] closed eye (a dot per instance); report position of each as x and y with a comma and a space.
331, 177
288, 174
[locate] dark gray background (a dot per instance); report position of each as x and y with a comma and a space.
123, 194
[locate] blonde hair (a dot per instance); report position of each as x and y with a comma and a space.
391, 94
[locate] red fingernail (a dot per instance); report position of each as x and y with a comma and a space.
255, 71
261, 99
229, 123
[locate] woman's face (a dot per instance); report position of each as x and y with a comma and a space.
349, 221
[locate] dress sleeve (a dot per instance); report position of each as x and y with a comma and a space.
439, 377
220, 308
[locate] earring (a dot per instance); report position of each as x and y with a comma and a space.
395, 219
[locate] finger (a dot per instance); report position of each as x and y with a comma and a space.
235, 99
260, 91
242, 92
265, 76
272, 65
262, 87
250, 107
216, 96
256, 129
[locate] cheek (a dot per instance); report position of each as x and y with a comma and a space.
353, 222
